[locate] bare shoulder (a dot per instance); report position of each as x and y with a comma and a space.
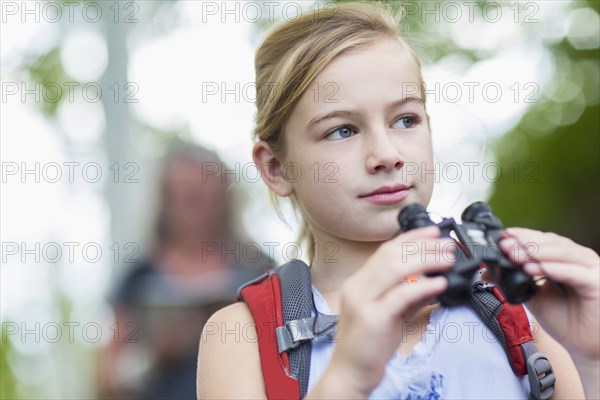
228, 352
236, 312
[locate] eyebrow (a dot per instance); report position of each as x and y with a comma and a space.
342, 113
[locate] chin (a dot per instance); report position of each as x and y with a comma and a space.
380, 236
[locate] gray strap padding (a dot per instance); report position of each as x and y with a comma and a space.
297, 303
292, 333
539, 370
487, 307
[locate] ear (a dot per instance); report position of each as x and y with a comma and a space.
270, 169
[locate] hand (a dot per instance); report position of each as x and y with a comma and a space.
375, 303
574, 319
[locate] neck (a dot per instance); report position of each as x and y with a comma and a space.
334, 261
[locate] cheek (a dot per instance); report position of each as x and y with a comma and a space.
323, 207
428, 158
325, 174
428, 171
419, 167
324, 190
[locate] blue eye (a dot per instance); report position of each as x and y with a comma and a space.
409, 121
344, 132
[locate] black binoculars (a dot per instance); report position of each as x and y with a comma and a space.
478, 237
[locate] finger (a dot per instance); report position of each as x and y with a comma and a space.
421, 257
521, 231
579, 278
550, 248
550, 239
412, 258
403, 298
526, 235
519, 251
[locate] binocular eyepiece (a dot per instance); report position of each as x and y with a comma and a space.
478, 238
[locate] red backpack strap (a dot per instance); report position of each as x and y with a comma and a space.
510, 325
263, 297
515, 326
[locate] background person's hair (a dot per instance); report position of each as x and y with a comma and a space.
234, 232
296, 51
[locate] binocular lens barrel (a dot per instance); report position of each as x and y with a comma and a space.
480, 212
517, 287
414, 216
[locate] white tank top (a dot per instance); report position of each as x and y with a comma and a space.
459, 358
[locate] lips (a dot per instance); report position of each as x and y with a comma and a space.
388, 189
387, 195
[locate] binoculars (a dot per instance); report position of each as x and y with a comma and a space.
478, 237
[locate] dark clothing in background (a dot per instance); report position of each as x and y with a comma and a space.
169, 312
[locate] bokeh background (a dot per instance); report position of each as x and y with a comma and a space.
513, 95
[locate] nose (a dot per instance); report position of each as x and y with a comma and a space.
382, 154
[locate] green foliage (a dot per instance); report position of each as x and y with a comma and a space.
8, 383
46, 70
556, 188
564, 194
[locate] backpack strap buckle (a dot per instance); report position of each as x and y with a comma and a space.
292, 333
539, 370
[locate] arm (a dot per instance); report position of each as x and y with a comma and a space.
568, 384
572, 319
226, 356
334, 385
228, 353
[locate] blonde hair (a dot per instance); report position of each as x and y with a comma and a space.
295, 52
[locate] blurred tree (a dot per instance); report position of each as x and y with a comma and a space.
552, 183
557, 186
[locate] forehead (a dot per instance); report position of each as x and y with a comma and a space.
382, 72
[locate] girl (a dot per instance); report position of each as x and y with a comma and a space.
345, 97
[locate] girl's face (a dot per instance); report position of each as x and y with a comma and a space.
360, 126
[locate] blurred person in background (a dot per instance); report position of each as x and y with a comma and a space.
193, 269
